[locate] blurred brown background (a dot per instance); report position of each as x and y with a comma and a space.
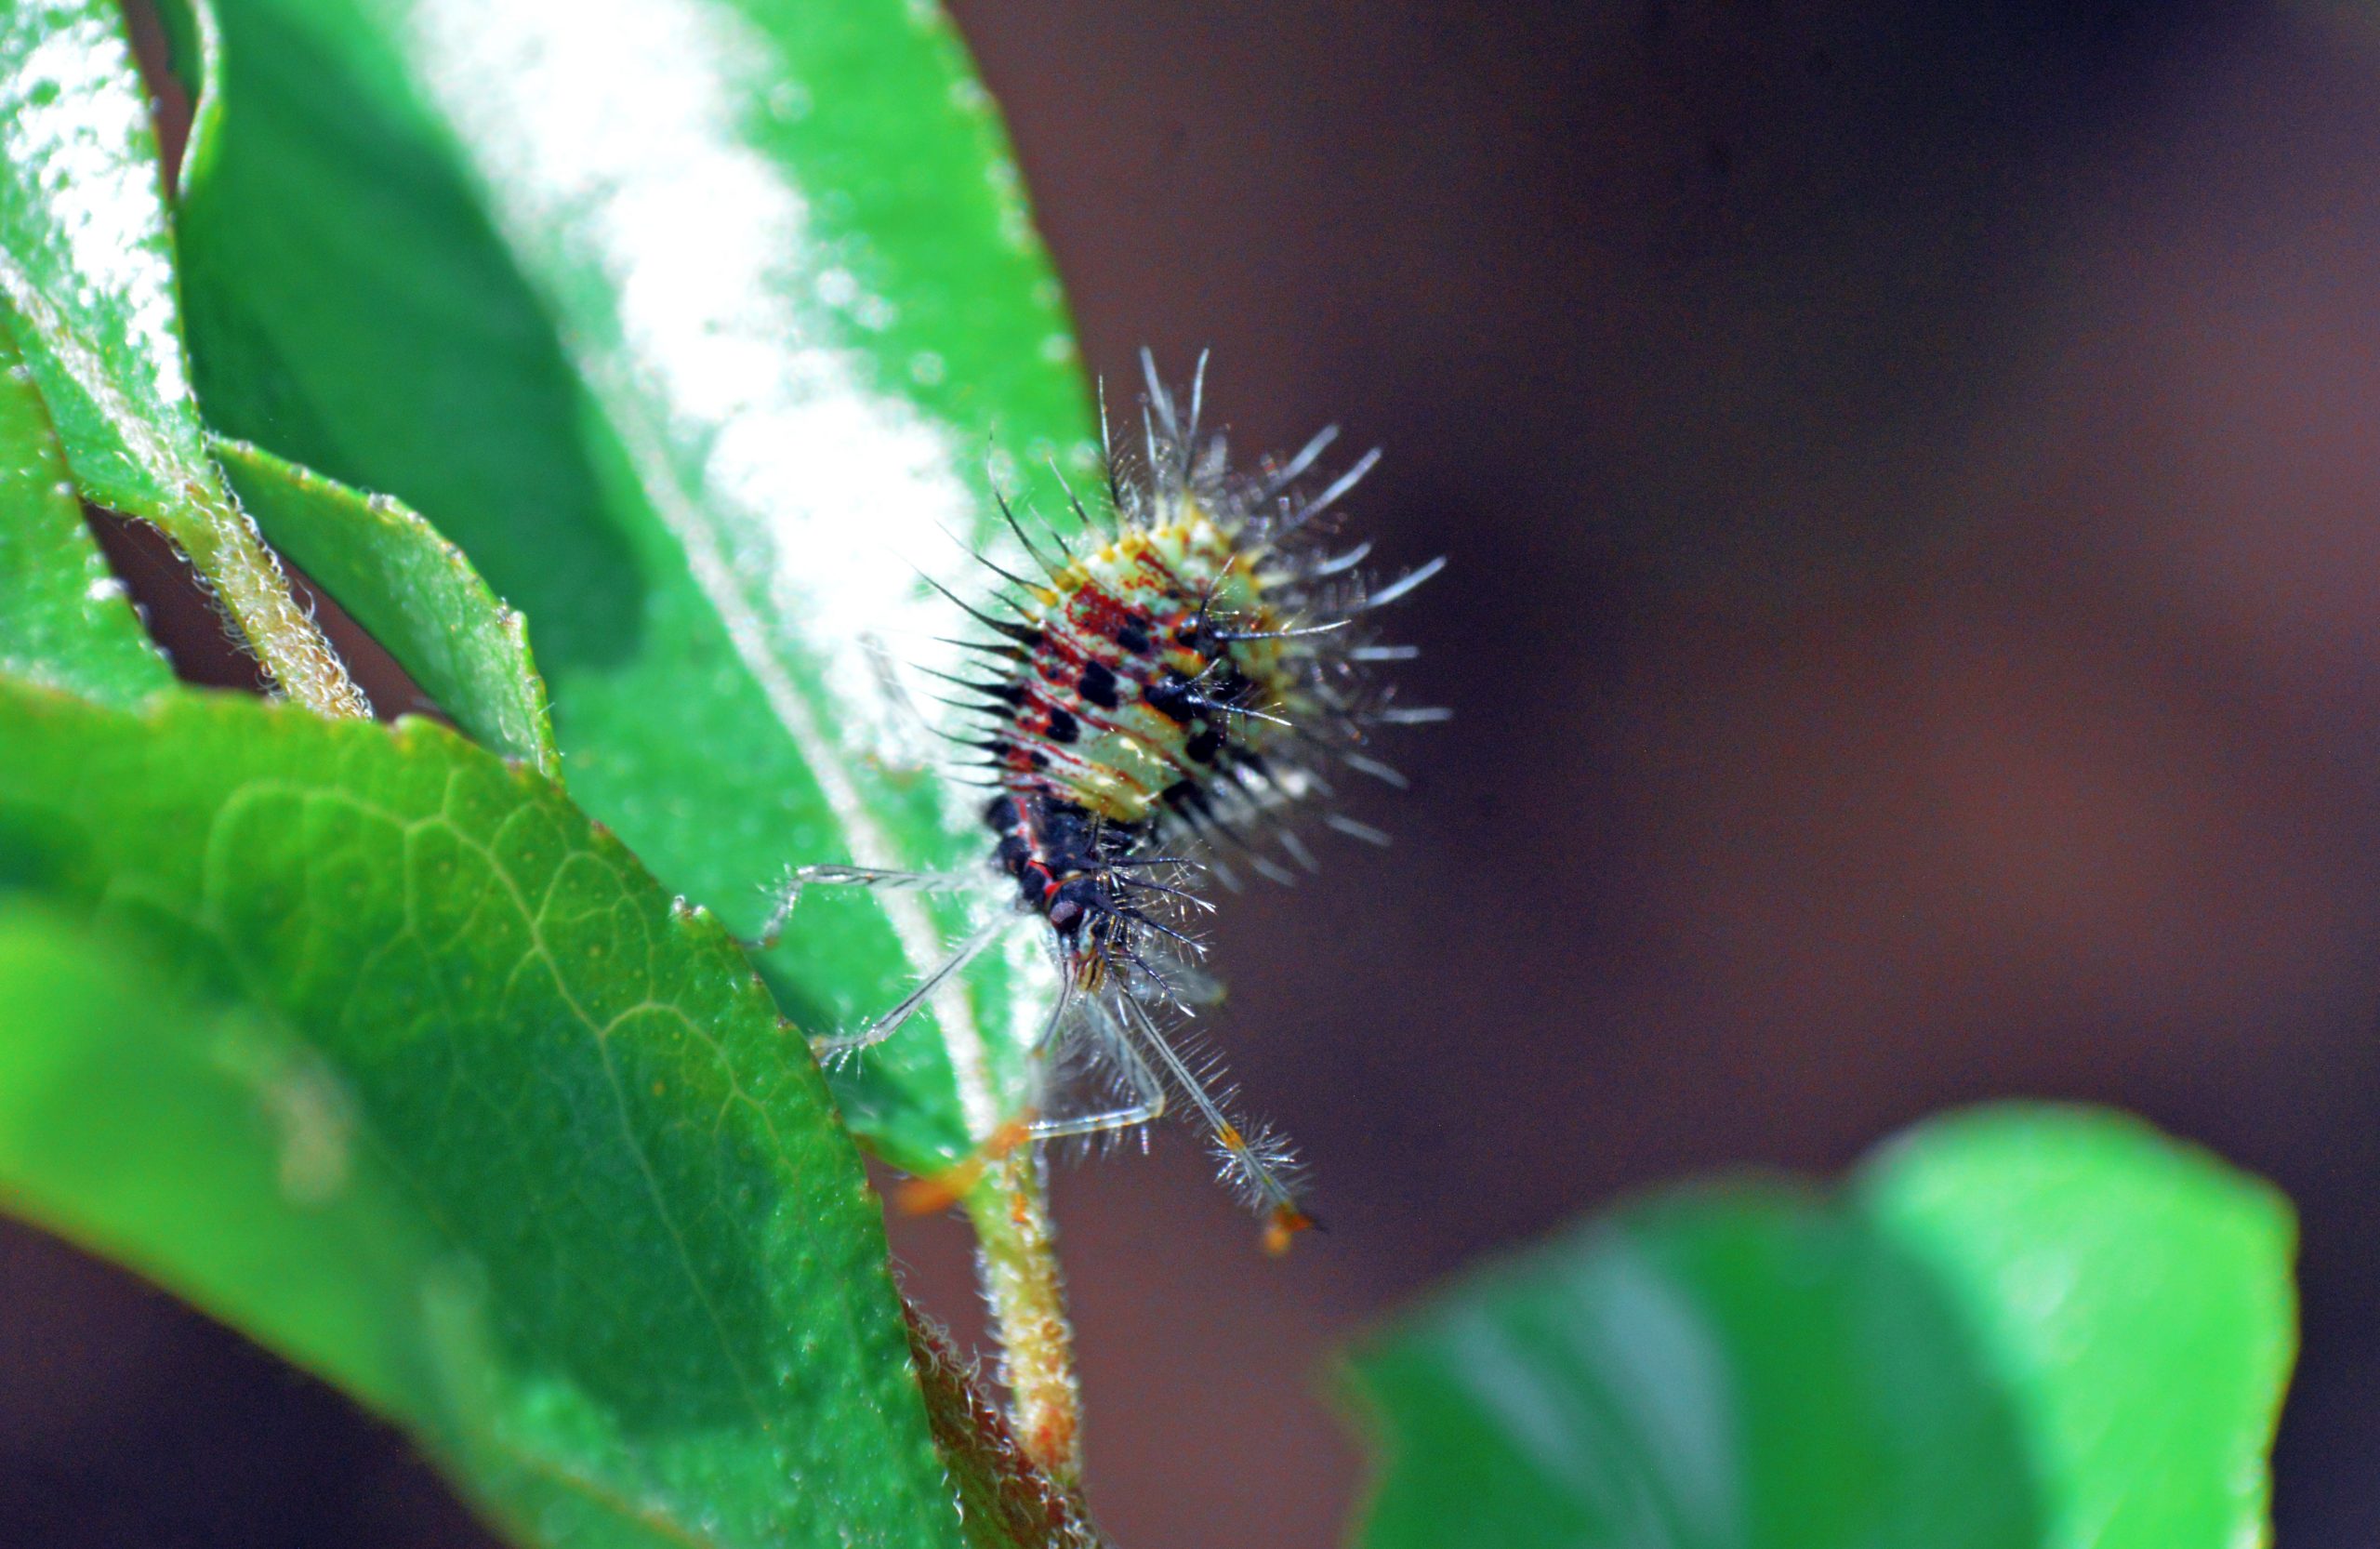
1910, 481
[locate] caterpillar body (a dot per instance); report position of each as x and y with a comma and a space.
1160, 704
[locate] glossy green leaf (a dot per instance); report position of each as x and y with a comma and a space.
413, 591
86, 273
85, 258
551, 1088
65, 620
696, 323
2019, 1327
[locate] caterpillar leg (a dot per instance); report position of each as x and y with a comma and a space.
939, 1191
886, 1026
1146, 1108
854, 875
1258, 1168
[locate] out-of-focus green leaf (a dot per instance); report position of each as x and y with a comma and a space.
87, 269
2137, 1299
696, 323
548, 1179
65, 620
413, 591
2019, 1327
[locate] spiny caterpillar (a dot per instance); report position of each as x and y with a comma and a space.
1153, 708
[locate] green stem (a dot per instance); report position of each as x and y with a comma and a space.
1016, 1261
222, 545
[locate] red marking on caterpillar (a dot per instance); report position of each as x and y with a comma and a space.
1161, 703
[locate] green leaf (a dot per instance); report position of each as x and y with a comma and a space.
692, 323
65, 620
2136, 1298
86, 273
551, 1183
84, 260
413, 591
2023, 1325
115, 1079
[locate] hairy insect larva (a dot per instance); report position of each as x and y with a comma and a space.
1177, 685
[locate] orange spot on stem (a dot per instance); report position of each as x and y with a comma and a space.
938, 1191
